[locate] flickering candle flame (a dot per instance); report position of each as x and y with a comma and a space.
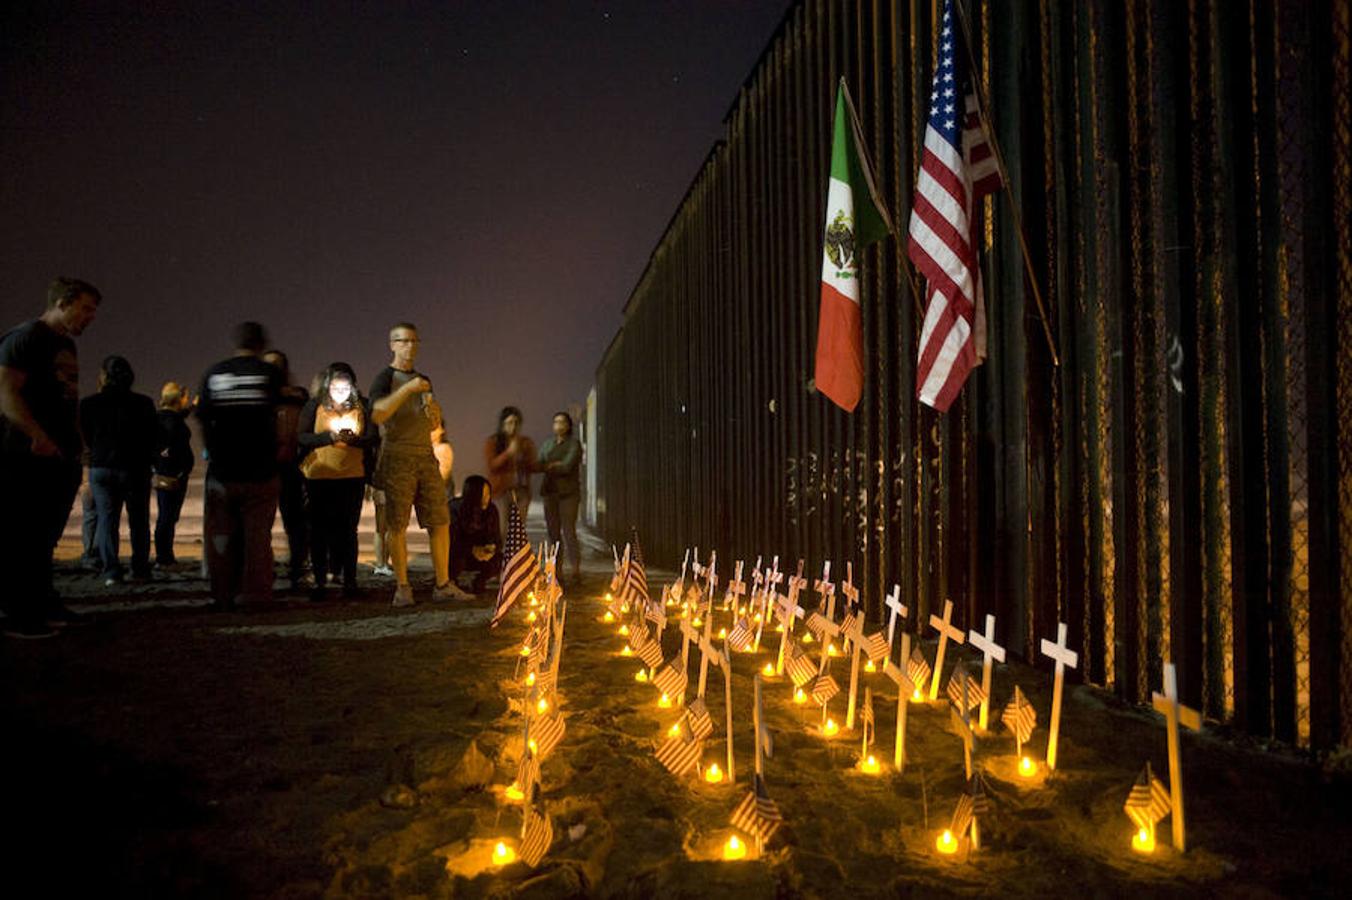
624, 631
531, 598
1027, 768
609, 597
525, 649
870, 765
530, 679
713, 774
947, 843
530, 616
869, 666
627, 651
831, 650
697, 622
779, 629
734, 849
624, 607
1143, 841
641, 676
664, 701
769, 670
514, 792
532, 745
722, 633
758, 618
799, 697
542, 705
502, 854
608, 617
917, 697
807, 638
830, 727
674, 730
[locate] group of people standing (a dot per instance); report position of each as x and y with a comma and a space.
269, 445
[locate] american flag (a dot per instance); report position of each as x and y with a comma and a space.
976, 789
958, 169
1149, 800
538, 642
1019, 716
824, 688
917, 667
800, 667
527, 772
955, 689
635, 586
680, 755
849, 624
536, 837
757, 815
741, 637
875, 646
672, 679
646, 647
547, 732
817, 623
654, 612
544, 680
518, 570
698, 720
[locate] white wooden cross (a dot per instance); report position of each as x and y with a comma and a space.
689, 634
757, 587
896, 610
947, 632
856, 637
787, 611
905, 687
1064, 657
824, 586
736, 590
711, 654
1174, 713
768, 595
851, 594
990, 651
679, 587
832, 629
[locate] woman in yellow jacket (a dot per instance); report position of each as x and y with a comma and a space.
335, 426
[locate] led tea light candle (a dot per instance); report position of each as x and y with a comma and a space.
713, 774
734, 849
946, 843
503, 854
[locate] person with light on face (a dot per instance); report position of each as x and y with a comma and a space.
40, 450
403, 406
335, 428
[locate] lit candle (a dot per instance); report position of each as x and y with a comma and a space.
530, 679
722, 633
734, 849
608, 597
530, 616
542, 705
624, 608
870, 765
697, 623
608, 617
713, 774
946, 843
641, 675
869, 666
1143, 841
831, 650
674, 730
917, 697
525, 649
830, 727
514, 792
502, 854
799, 697
531, 598
1027, 768
807, 638
664, 701
758, 618
624, 631
627, 651
769, 670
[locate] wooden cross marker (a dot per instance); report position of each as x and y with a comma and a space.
705, 646
896, 609
769, 595
905, 687
1174, 713
711, 654
689, 634
787, 611
831, 628
736, 590
856, 637
1064, 657
757, 586
824, 586
947, 632
990, 652
711, 577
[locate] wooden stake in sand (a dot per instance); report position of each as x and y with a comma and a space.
689, 634
769, 594
1175, 712
851, 594
896, 609
990, 652
711, 654
947, 632
757, 815
1064, 657
962, 724
826, 624
905, 687
736, 590
787, 612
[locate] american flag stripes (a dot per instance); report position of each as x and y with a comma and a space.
546, 733
958, 168
680, 755
544, 680
875, 646
849, 623
800, 667
527, 772
955, 689
646, 647
698, 720
917, 668
757, 815
1020, 717
518, 568
635, 586
818, 625
741, 637
672, 679
1148, 801
536, 837
824, 688
654, 612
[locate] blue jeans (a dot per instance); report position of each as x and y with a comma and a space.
237, 532
112, 489
168, 505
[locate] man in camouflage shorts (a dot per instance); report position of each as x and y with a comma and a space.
403, 406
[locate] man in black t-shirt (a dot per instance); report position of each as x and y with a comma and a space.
40, 453
238, 412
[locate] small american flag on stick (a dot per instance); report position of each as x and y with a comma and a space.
547, 734
635, 587
824, 688
527, 772
973, 691
1148, 801
1020, 717
757, 815
672, 679
800, 666
536, 836
646, 648
741, 637
917, 667
698, 720
518, 568
875, 646
680, 755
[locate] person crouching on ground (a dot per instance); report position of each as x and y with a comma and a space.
173, 464
560, 459
476, 542
120, 429
403, 407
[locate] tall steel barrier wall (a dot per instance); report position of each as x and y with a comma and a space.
1177, 488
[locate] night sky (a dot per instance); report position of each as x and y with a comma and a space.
495, 172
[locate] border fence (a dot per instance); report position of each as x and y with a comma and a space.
1178, 488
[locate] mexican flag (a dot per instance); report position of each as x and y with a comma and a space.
855, 218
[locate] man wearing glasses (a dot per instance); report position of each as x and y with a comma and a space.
403, 406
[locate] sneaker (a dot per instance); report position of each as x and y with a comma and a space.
450, 591
28, 631
62, 616
381, 569
403, 595
113, 581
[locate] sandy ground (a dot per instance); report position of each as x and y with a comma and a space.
171, 750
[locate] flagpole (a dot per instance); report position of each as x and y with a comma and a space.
1008, 185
